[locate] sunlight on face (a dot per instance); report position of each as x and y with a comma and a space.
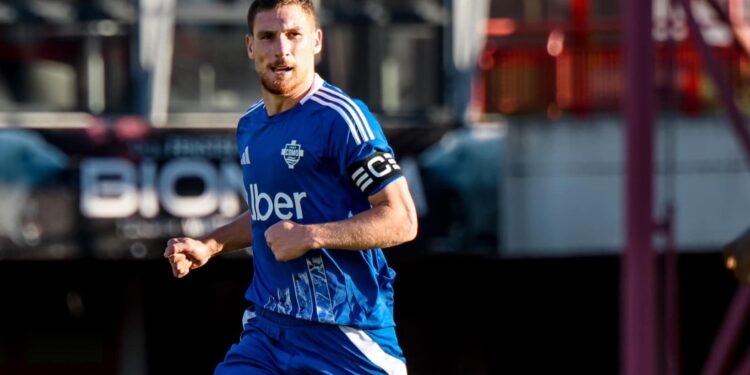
283, 45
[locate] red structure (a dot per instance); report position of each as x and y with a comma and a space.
578, 66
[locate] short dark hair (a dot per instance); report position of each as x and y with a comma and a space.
261, 5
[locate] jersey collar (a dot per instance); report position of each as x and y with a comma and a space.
316, 85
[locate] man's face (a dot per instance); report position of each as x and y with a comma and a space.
283, 45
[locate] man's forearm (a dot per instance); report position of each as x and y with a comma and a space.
380, 226
235, 235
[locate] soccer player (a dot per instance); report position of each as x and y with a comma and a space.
325, 194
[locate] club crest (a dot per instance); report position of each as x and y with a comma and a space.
292, 152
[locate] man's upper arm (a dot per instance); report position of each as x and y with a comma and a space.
396, 196
401, 216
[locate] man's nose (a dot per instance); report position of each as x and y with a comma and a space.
283, 46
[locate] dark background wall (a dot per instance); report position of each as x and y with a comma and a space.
456, 314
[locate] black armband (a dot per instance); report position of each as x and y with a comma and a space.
368, 173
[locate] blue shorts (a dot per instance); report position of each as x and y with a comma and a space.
273, 343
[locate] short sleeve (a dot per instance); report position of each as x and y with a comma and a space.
361, 149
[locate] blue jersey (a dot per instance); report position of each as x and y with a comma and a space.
317, 162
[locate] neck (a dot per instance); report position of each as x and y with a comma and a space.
276, 104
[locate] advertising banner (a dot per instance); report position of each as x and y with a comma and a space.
113, 192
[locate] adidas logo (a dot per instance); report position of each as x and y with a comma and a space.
245, 160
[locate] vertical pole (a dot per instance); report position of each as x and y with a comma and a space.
638, 265
671, 316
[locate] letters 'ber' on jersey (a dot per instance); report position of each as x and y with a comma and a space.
317, 162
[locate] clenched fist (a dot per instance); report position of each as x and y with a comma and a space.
288, 240
186, 254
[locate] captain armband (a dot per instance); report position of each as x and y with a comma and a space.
368, 173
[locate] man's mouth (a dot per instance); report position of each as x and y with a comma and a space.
281, 69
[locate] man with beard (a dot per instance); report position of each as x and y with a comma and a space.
325, 194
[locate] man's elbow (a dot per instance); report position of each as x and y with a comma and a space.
412, 232
411, 227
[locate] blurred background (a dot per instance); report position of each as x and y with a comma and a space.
533, 134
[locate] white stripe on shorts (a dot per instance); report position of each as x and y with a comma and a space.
373, 351
247, 316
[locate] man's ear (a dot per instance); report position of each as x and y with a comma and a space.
318, 41
249, 46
